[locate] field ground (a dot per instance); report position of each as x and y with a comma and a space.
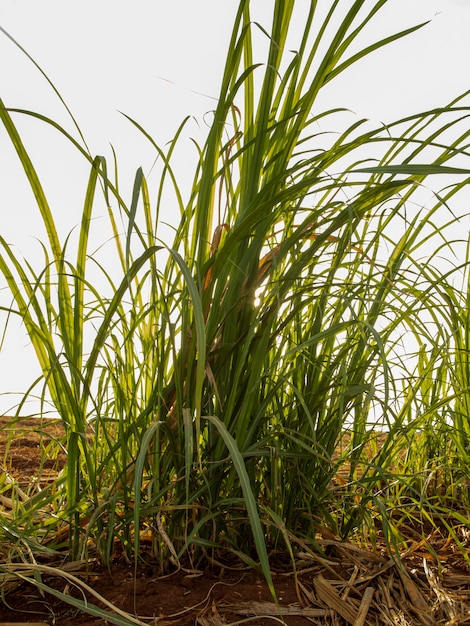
346, 584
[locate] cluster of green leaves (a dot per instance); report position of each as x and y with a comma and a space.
211, 399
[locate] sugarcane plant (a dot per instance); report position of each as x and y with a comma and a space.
223, 394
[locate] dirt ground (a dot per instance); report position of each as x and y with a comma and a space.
344, 585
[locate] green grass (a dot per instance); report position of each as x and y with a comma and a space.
206, 391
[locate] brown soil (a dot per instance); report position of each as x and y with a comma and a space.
344, 585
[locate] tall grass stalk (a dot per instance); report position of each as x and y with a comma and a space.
214, 392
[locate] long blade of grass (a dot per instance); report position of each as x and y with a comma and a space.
250, 501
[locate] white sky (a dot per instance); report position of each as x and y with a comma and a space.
111, 55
